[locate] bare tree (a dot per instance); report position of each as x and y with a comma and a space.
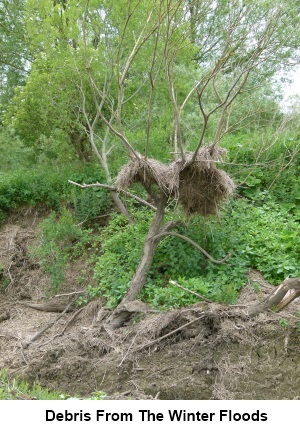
237, 47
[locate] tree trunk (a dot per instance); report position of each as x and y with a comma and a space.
81, 146
150, 246
121, 207
121, 315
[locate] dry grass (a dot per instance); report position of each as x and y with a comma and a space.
199, 187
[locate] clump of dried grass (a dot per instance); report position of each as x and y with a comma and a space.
199, 187
202, 186
149, 172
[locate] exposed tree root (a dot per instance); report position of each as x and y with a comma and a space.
284, 294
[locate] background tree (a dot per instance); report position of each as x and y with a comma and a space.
166, 79
15, 58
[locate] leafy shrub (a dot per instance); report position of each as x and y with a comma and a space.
49, 187
121, 246
270, 237
14, 154
32, 187
89, 203
60, 241
266, 238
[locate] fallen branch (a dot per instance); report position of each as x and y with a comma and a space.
115, 189
46, 307
187, 239
73, 317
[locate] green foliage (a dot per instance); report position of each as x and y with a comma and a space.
14, 155
16, 389
279, 156
263, 237
121, 246
18, 154
268, 238
48, 186
60, 241
90, 203
121, 249
43, 186
14, 50
283, 322
31, 187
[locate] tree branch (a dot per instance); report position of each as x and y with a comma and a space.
170, 233
115, 189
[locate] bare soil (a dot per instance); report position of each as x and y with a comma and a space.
207, 351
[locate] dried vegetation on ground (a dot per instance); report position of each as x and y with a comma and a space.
206, 351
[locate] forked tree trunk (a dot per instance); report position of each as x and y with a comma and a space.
121, 313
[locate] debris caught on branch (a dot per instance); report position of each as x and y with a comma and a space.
199, 186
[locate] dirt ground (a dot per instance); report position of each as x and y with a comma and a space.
207, 351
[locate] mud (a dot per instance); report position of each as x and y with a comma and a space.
203, 352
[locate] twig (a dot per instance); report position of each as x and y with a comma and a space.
73, 317
65, 327
168, 334
69, 294
127, 352
9, 274
103, 377
190, 291
41, 332
115, 189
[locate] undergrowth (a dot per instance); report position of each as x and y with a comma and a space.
260, 227
13, 388
60, 241
264, 237
49, 187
